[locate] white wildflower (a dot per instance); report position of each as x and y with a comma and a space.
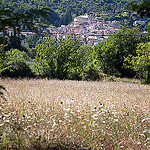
67, 109
113, 106
142, 135
101, 106
114, 113
116, 120
47, 109
7, 121
65, 114
94, 110
82, 122
137, 105
1, 125
107, 99
78, 110
28, 117
54, 123
146, 119
72, 101
139, 143
95, 116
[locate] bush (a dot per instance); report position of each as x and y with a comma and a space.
112, 51
141, 62
17, 65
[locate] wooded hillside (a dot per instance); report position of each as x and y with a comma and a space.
110, 9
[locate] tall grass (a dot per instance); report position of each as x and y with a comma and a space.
54, 114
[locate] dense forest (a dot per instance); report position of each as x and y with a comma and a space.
66, 10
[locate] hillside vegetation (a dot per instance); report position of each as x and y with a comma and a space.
66, 10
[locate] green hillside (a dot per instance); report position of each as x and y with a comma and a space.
109, 9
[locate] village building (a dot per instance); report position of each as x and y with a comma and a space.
93, 29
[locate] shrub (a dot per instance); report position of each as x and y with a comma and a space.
17, 64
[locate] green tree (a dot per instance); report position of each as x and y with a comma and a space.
3, 60
17, 64
2, 66
112, 51
66, 58
14, 21
87, 68
56, 58
14, 64
141, 62
142, 9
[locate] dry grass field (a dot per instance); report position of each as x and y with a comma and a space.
53, 114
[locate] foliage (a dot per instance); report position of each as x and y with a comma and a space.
32, 40
2, 65
3, 59
12, 21
16, 65
112, 51
142, 9
71, 58
87, 63
65, 58
56, 58
66, 10
141, 62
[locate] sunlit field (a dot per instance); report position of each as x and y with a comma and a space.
53, 114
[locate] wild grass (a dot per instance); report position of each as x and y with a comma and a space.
54, 114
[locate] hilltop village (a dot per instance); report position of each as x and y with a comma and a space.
93, 29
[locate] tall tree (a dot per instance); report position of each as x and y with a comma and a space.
142, 9
117, 46
12, 20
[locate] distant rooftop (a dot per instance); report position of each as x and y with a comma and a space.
84, 17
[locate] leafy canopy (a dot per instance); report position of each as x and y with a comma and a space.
14, 20
141, 62
111, 52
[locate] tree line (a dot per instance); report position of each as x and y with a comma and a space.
124, 54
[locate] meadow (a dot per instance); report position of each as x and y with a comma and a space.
62, 114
